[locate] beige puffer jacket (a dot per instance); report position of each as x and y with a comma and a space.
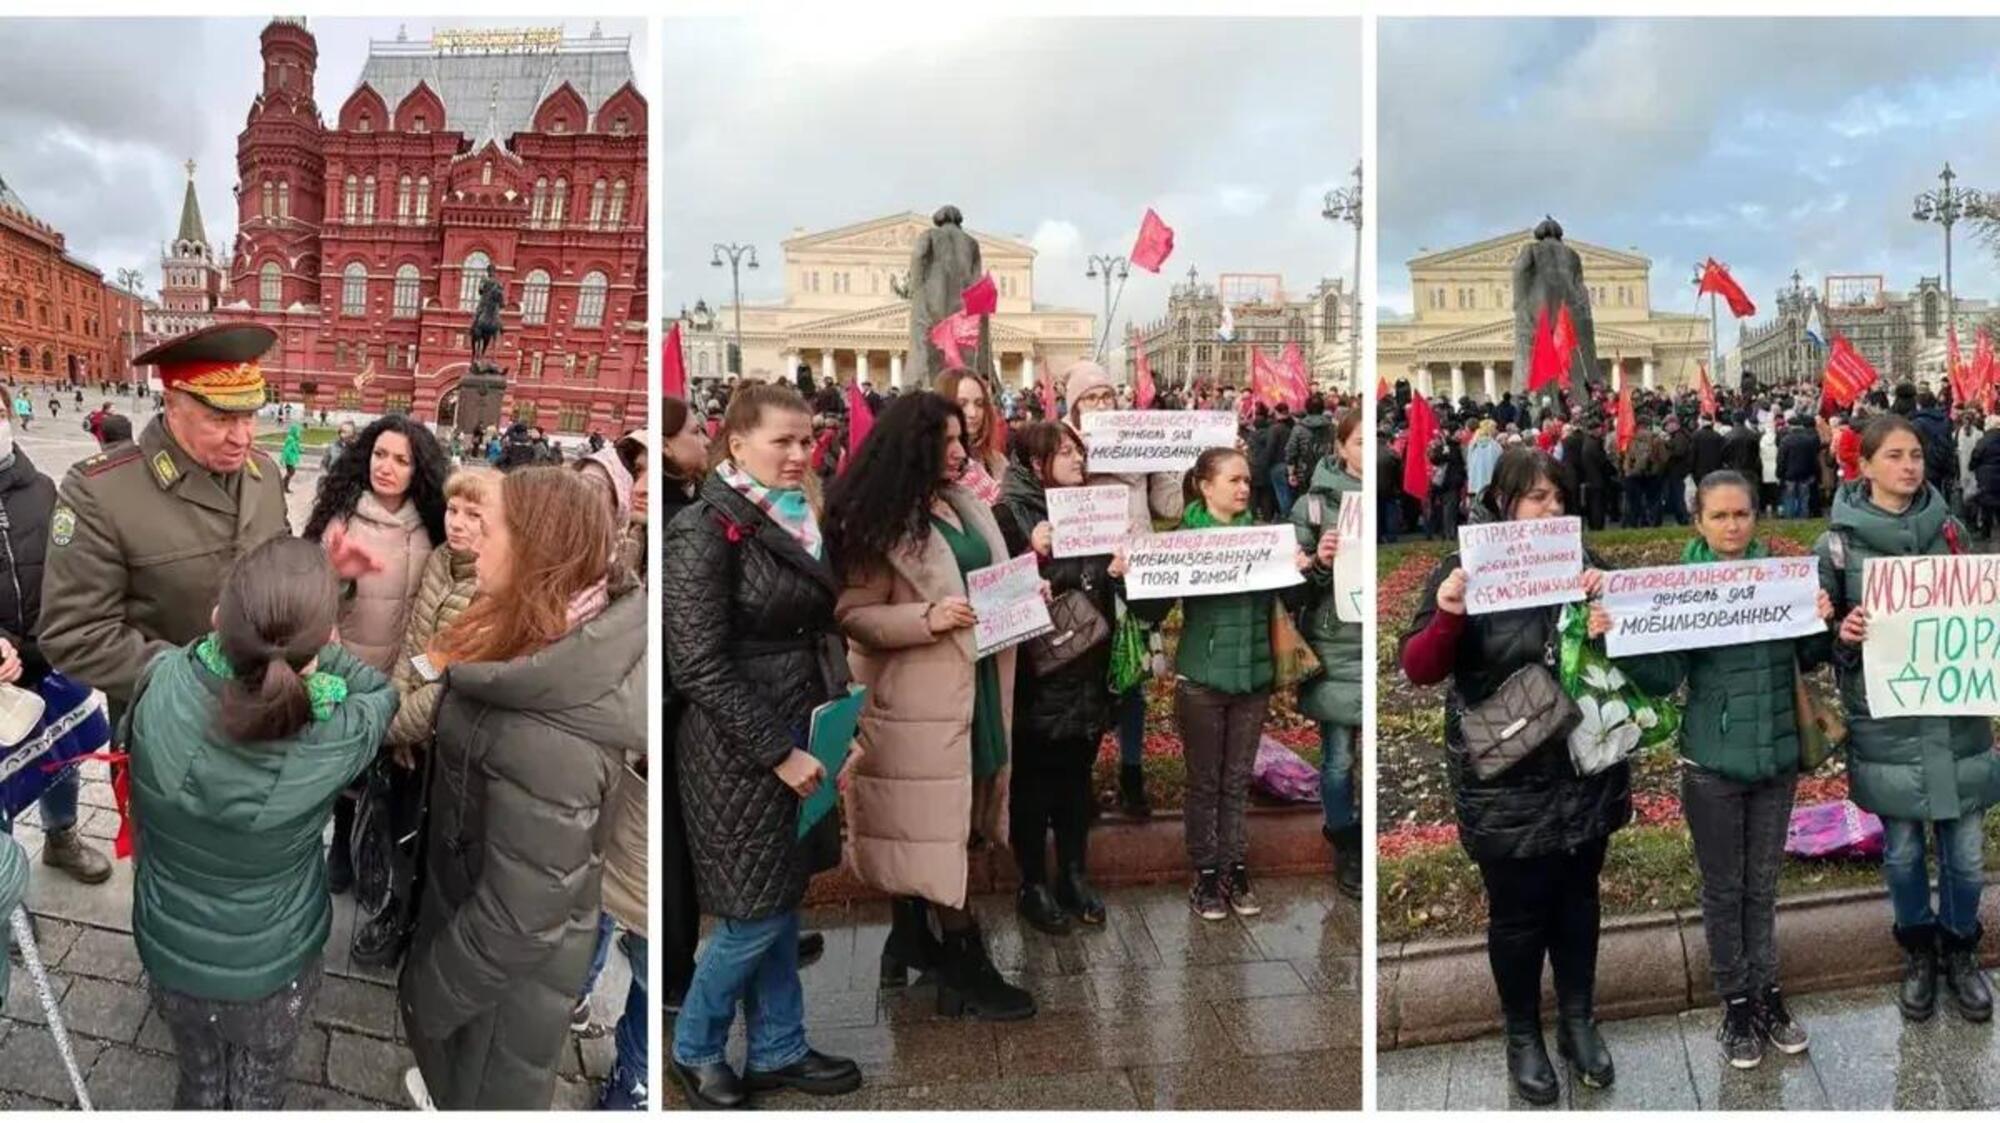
371, 624
446, 587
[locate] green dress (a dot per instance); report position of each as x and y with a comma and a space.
989, 732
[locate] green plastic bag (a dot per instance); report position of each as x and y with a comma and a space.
1619, 719
1129, 652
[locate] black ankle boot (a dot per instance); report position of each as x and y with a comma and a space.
1964, 979
910, 946
1038, 907
1583, 1047
1528, 1064
969, 984
1346, 860
1132, 799
340, 853
1917, 996
1077, 898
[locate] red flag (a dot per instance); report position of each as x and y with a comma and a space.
1381, 387
1628, 422
1955, 370
1298, 386
674, 364
1544, 361
1047, 384
1848, 375
1155, 244
1982, 366
982, 298
1715, 278
1272, 383
953, 332
1417, 450
1707, 390
1142, 388
860, 420
1564, 338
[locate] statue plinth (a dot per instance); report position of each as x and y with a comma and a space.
480, 395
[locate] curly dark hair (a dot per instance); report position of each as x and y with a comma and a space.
344, 485
883, 499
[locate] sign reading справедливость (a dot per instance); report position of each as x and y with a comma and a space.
1933, 635
1007, 598
1196, 563
1678, 607
1521, 564
1089, 520
1124, 441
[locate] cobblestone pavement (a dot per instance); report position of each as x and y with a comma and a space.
1160, 1009
1863, 1057
352, 1057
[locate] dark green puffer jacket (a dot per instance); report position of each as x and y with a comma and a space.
1335, 696
229, 895
1225, 639
1924, 768
1740, 719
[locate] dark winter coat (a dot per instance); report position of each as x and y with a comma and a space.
1986, 467
1798, 455
1742, 452
1940, 448
1705, 452
27, 498
1335, 695
528, 756
1680, 454
1074, 703
1311, 438
1225, 638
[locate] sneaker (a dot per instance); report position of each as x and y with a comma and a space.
1775, 1024
1741, 1046
413, 1086
1236, 887
579, 1017
1206, 897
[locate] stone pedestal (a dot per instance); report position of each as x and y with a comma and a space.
480, 395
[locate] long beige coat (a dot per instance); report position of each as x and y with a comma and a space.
912, 808
372, 623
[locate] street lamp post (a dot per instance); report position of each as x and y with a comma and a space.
1112, 267
130, 280
1714, 334
738, 253
1945, 206
1344, 205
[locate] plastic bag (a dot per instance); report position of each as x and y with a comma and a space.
1833, 830
1618, 718
1281, 774
1129, 652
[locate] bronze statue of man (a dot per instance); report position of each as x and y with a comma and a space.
1549, 275
944, 262
486, 321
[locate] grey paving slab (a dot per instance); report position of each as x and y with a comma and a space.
1413, 1079
104, 1009
29, 1064
1780, 1082
1651, 1069
1309, 1081
125, 1079
100, 954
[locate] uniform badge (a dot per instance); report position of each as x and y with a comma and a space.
250, 466
163, 467
62, 525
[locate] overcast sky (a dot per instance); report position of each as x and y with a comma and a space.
1769, 144
95, 127
1057, 131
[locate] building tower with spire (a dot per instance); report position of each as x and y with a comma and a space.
190, 276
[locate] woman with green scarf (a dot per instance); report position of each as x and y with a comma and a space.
1222, 691
1739, 771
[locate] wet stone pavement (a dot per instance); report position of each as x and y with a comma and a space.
1159, 1009
1864, 1056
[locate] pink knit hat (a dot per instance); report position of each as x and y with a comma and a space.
1082, 377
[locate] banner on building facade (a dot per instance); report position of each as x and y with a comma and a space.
1136, 441
1715, 604
1933, 635
1525, 563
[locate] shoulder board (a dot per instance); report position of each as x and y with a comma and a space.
105, 461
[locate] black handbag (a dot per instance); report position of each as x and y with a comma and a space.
1528, 711
1079, 628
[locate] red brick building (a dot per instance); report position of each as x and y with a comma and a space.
363, 243
52, 307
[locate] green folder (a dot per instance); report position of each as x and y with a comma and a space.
833, 726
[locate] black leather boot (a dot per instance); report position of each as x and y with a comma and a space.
711, 1087
1132, 799
1077, 897
1582, 1046
340, 852
1528, 1063
1346, 860
1964, 979
969, 984
1038, 907
1917, 996
910, 946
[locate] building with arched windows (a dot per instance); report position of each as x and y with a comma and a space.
56, 324
363, 240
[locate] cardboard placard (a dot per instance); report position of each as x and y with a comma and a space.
1195, 563
1521, 564
1087, 521
1350, 565
1933, 644
1138, 441
1713, 604
1008, 600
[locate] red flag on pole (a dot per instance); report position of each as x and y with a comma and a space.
860, 420
1982, 370
1707, 390
673, 365
1156, 242
1381, 387
1298, 385
952, 333
982, 297
1272, 382
1417, 449
1564, 338
1715, 278
1544, 360
1955, 370
1628, 422
1046, 383
1142, 382
1848, 375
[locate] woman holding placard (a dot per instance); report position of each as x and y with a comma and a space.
1929, 778
903, 534
1155, 497
1062, 703
1537, 830
1225, 667
986, 454
1334, 698
1740, 753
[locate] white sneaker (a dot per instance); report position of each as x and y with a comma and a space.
413, 1084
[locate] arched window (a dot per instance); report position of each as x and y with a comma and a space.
48, 361
539, 203
368, 199
590, 300
535, 298
354, 289
270, 200
617, 204
423, 199
486, 174
597, 205
469, 278
406, 292
284, 198
270, 287
403, 201
367, 124
701, 363
351, 199
559, 202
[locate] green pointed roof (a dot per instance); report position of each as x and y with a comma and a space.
191, 228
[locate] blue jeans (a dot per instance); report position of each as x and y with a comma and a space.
58, 802
599, 954
1961, 865
755, 962
1336, 780
1796, 500
1131, 718
1281, 482
630, 1036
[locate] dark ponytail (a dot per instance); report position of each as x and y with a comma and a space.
276, 611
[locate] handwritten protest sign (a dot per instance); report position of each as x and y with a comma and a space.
1933, 635
1154, 440
1521, 564
1678, 607
1089, 520
1350, 565
1008, 600
1194, 563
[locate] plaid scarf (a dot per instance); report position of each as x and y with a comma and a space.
788, 509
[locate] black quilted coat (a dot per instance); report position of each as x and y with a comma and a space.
1539, 806
1074, 703
752, 647
29, 499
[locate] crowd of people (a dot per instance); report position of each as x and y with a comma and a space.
795, 569
1886, 474
445, 663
